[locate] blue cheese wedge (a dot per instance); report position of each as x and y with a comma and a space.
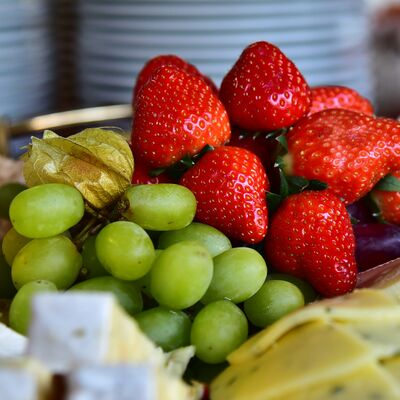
23, 379
12, 344
70, 330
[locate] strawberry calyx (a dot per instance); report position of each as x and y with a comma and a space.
176, 170
267, 135
389, 183
290, 184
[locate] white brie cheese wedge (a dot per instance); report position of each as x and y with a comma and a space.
23, 379
12, 344
70, 330
126, 382
119, 382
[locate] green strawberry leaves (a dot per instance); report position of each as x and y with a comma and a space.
289, 184
273, 201
281, 139
389, 184
176, 170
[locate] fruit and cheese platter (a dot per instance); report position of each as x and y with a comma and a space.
240, 243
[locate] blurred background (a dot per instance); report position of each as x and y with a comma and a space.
65, 54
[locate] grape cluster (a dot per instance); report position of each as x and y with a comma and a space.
181, 280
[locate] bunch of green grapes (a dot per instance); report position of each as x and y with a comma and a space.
181, 280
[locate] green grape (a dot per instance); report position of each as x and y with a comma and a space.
308, 291
212, 239
238, 274
125, 250
54, 259
46, 210
7, 288
20, 309
168, 329
181, 275
160, 207
274, 300
218, 329
127, 294
13, 242
7, 194
91, 265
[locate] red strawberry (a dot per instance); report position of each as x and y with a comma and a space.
311, 237
168, 60
230, 184
176, 115
349, 151
211, 84
388, 202
264, 90
264, 148
325, 97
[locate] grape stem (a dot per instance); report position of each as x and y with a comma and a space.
91, 227
97, 220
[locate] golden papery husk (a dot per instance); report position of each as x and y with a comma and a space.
98, 162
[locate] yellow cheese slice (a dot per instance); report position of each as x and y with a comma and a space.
383, 337
315, 352
360, 305
392, 365
370, 382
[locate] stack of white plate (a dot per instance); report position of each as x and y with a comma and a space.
326, 39
26, 53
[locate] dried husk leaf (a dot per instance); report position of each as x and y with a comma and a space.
98, 162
